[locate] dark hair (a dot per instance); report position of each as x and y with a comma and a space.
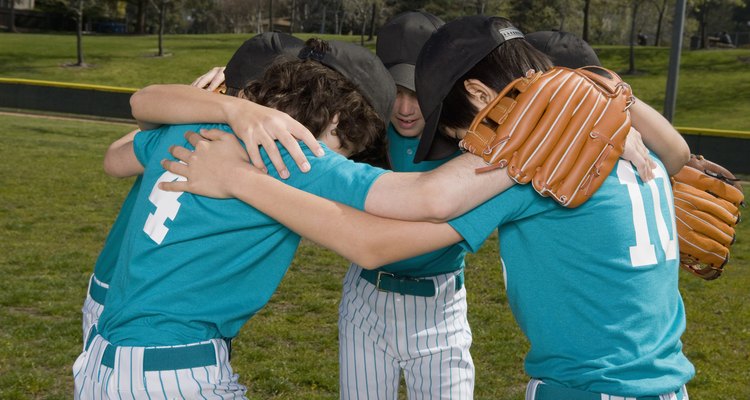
313, 94
507, 62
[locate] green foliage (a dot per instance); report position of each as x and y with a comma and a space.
56, 207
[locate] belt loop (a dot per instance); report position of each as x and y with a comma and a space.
460, 280
531, 389
90, 337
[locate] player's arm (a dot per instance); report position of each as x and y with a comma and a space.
120, 160
365, 239
455, 187
255, 124
438, 195
660, 136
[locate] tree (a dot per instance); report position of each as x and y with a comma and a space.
586, 8
373, 16
78, 12
661, 8
162, 8
140, 21
12, 16
270, 15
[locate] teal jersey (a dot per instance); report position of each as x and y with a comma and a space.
105, 263
594, 288
193, 268
401, 151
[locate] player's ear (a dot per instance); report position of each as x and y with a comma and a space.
479, 93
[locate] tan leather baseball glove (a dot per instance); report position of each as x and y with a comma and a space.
707, 198
562, 130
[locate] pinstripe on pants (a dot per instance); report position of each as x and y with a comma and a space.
383, 333
91, 310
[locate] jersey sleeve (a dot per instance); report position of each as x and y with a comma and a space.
332, 176
516, 203
146, 143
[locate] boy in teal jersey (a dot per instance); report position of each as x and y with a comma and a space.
248, 63
598, 298
593, 288
171, 302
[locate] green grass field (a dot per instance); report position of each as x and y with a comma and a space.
56, 206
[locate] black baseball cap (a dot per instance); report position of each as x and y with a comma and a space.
250, 61
453, 50
564, 48
401, 39
363, 69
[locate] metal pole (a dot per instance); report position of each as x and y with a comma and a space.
678, 26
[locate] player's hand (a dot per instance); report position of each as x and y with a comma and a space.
211, 79
257, 125
637, 153
212, 168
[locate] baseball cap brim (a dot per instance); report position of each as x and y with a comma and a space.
403, 75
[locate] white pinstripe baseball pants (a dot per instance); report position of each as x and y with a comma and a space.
92, 309
128, 377
384, 333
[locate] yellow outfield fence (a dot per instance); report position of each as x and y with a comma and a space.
729, 148
66, 98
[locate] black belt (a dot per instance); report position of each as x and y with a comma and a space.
414, 286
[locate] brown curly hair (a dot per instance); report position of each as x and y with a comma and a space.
313, 94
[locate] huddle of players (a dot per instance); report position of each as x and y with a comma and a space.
170, 315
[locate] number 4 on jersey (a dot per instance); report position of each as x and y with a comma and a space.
167, 207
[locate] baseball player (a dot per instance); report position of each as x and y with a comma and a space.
172, 304
594, 288
407, 317
248, 63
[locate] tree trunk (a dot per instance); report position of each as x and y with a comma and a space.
79, 33
162, 16
293, 17
631, 69
659, 21
702, 18
480, 6
363, 24
372, 22
586, 7
323, 20
258, 18
336, 23
270, 15
12, 16
140, 26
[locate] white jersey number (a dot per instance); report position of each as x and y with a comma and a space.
167, 207
643, 253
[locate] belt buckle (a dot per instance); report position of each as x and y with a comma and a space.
380, 275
